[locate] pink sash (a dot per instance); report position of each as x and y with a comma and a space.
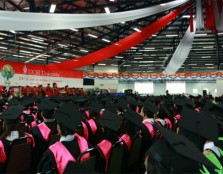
87, 113
30, 135
62, 156
197, 109
35, 107
45, 131
177, 118
2, 153
168, 123
34, 116
93, 126
33, 124
150, 128
101, 113
137, 109
105, 147
127, 140
83, 145
85, 131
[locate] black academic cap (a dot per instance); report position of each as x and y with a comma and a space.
110, 120
47, 105
12, 113
27, 100
132, 101
133, 117
111, 107
182, 146
217, 111
150, 106
14, 101
122, 103
69, 116
179, 101
95, 107
199, 124
164, 109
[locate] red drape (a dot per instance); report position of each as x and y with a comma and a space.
121, 45
191, 17
210, 20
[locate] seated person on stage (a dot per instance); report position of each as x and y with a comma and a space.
70, 145
11, 130
42, 132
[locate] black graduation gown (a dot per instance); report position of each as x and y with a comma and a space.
40, 144
48, 162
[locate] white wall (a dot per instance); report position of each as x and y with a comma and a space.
219, 85
160, 88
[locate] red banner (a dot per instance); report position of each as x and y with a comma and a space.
121, 45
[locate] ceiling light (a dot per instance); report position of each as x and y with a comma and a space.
209, 64
56, 61
162, 4
149, 48
12, 31
192, 64
106, 40
133, 47
101, 64
119, 57
113, 65
186, 16
208, 47
138, 58
171, 35
154, 35
62, 45
211, 67
25, 51
220, 33
201, 34
52, 8
116, 44
142, 65
138, 53
123, 22
107, 10
73, 29
167, 48
3, 48
206, 57
84, 50
112, 0
126, 65
136, 29
17, 55
91, 35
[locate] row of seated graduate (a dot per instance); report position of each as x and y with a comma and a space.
163, 134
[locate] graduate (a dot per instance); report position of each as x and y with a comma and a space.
42, 132
11, 130
174, 154
70, 145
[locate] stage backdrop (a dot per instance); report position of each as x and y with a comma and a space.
20, 74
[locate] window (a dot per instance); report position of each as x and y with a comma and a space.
144, 88
195, 91
176, 87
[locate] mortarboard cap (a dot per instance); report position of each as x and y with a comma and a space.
27, 100
133, 117
122, 103
47, 105
110, 120
95, 107
14, 101
132, 100
12, 114
216, 111
164, 109
199, 124
111, 107
185, 150
68, 116
150, 106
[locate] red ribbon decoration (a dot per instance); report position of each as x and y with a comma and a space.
121, 45
210, 20
191, 17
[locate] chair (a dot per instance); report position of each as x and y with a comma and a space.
116, 158
135, 152
90, 162
53, 139
20, 156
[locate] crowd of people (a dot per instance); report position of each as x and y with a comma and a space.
178, 134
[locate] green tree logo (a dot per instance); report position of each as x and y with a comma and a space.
7, 73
